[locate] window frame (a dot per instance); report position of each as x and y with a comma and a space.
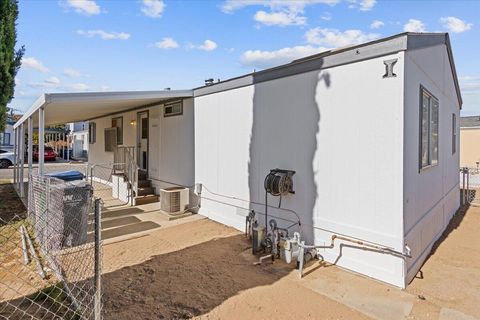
119, 132
92, 132
431, 100
5, 139
454, 133
166, 105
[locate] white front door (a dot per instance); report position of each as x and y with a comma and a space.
142, 140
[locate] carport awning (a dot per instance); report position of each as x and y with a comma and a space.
74, 107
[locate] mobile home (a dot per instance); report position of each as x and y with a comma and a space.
368, 135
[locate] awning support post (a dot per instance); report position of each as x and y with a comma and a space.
22, 159
15, 157
30, 147
41, 140
68, 147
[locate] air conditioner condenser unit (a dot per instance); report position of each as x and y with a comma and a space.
174, 200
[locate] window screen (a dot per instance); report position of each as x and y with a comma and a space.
110, 139
173, 109
429, 129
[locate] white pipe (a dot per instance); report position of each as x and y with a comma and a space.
26, 259
41, 140
35, 257
361, 244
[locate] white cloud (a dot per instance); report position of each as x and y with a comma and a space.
414, 25
54, 84
470, 84
52, 80
468, 78
296, 5
166, 43
208, 45
104, 35
362, 5
334, 38
376, 24
264, 59
86, 7
455, 25
32, 63
327, 16
153, 8
279, 18
367, 5
76, 87
282, 12
71, 73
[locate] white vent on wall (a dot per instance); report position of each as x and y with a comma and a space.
174, 200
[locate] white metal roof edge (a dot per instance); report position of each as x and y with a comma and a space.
48, 98
35, 106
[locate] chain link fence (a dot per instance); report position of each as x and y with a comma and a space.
109, 183
470, 183
50, 256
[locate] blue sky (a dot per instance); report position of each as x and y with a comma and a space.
87, 45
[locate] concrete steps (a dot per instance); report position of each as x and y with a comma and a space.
149, 198
146, 193
143, 191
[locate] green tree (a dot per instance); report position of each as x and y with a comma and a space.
10, 59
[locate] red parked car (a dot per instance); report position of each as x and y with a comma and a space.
50, 155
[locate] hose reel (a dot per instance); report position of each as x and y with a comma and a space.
279, 182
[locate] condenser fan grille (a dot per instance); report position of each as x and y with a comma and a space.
174, 200
170, 201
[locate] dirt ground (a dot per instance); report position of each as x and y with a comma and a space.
204, 270
451, 276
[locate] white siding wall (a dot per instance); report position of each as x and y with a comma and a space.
8, 131
341, 130
431, 196
171, 145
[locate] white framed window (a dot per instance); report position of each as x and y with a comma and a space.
173, 109
4, 139
454, 133
429, 129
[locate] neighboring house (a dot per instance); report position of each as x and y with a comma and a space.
6, 137
79, 139
369, 130
470, 142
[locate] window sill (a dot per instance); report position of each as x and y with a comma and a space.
427, 167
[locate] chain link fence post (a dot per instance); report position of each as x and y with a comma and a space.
98, 260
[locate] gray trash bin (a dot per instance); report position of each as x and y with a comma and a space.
77, 197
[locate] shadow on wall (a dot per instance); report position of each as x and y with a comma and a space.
286, 123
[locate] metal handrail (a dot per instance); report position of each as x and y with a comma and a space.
124, 162
127, 156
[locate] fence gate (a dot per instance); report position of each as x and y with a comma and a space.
470, 182
50, 258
